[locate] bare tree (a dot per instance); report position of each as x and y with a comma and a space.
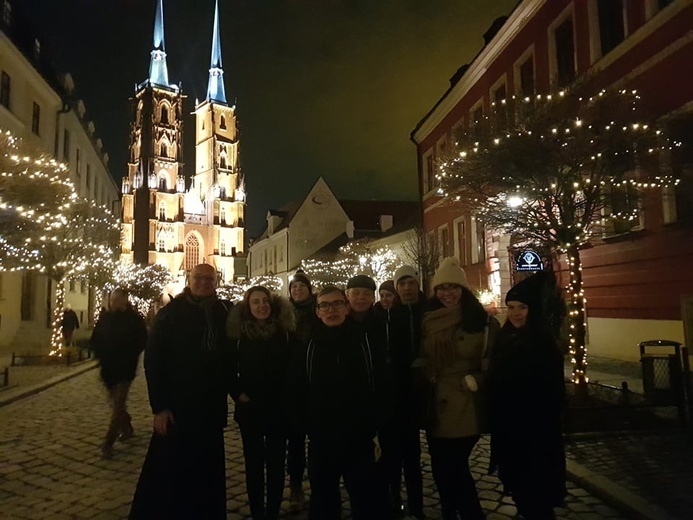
423, 251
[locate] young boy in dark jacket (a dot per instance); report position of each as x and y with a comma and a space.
335, 389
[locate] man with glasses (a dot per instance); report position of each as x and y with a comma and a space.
189, 374
335, 387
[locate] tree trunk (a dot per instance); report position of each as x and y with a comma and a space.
57, 333
576, 317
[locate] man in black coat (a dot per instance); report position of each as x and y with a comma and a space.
118, 339
399, 438
335, 388
188, 363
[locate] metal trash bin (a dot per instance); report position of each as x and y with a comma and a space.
665, 372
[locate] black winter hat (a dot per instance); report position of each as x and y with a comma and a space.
300, 276
361, 281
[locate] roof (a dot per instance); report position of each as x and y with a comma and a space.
366, 213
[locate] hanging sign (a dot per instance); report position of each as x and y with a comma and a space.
529, 261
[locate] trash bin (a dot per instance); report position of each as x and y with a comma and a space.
665, 372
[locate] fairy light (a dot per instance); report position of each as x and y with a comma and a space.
553, 177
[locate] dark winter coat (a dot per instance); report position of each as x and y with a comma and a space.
70, 320
188, 361
306, 319
118, 339
336, 384
403, 345
261, 357
527, 392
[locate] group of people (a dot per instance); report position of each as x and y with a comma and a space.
355, 382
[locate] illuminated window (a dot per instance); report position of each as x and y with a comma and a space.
163, 150
222, 248
222, 122
222, 216
162, 211
192, 252
162, 183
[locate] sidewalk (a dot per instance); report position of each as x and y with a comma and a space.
648, 474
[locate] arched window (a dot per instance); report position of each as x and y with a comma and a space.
222, 122
163, 150
162, 183
162, 211
222, 161
222, 216
164, 115
222, 192
192, 252
162, 243
222, 248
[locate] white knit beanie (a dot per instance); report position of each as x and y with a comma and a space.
450, 271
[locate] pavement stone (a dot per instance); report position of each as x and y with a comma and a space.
50, 464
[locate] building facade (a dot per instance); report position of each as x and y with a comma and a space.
164, 221
300, 230
41, 106
634, 281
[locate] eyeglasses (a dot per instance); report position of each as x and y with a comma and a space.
336, 305
448, 287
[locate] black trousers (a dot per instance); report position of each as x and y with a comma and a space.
183, 476
401, 447
263, 451
296, 458
450, 468
354, 460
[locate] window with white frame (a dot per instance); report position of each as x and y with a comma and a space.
428, 171
461, 240
444, 241
562, 61
478, 234
611, 20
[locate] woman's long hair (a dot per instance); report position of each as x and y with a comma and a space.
474, 316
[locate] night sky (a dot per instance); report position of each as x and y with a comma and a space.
322, 87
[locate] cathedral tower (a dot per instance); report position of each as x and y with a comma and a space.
218, 180
153, 219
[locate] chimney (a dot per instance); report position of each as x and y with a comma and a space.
350, 229
385, 222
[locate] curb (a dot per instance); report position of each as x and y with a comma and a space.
21, 393
622, 499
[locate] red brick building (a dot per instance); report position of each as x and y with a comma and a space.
634, 281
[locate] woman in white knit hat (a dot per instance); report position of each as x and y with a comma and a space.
455, 336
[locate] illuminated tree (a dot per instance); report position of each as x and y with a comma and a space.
46, 227
357, 257
235, 291
146, 284
558, 171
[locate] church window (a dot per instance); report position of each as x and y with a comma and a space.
222, 217
222, 248
192, 252
222, 122
163, 150
222, 161
164, 115
222, 192
162, 211
162, 183
162, 244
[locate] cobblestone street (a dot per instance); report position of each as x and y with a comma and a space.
51, 465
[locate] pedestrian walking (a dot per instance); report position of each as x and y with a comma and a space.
68, 324
188, 364
454, 338
399, 438
303, 301
527, 388
118, 339
334, 390
262, 330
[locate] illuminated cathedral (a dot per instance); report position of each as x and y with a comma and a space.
165, 220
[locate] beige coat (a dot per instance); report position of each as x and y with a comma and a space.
458, 380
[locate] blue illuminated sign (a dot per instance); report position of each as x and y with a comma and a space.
529, 261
